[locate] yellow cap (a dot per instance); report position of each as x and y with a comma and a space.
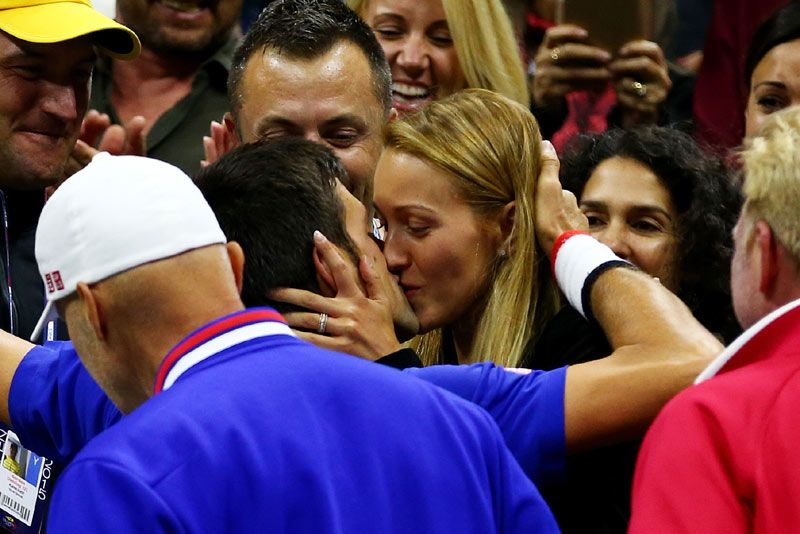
54, 21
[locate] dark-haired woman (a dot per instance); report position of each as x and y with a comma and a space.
772, 68
658, 200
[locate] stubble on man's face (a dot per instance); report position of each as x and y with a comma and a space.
181, 27
44, 93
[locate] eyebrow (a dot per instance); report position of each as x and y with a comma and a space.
23, 55
637, 208
421, 207
394, 17
778, 85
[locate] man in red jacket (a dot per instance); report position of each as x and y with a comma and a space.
720, 457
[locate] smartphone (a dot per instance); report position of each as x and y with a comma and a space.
610, 23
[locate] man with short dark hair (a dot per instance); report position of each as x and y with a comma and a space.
253, 191
313, 69
257, 193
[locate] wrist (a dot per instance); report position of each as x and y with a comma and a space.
577, 261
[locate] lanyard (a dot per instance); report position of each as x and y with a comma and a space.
12, 320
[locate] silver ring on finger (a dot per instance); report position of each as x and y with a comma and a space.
555, 53
323, 323
640, 89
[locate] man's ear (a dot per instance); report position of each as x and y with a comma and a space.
327, 284
236, 257
93, 310
769, 257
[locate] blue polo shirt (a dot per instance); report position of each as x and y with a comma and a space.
270, 433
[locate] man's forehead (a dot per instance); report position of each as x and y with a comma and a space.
13, 47
341, 75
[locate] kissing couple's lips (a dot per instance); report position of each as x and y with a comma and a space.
409, 291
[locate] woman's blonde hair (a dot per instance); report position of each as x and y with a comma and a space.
485, 44
491, 148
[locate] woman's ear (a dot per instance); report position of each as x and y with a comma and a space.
506, 223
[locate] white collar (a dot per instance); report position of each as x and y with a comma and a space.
732, 349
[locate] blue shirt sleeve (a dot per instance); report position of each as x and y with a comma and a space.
56, 407
529, 409
103, 497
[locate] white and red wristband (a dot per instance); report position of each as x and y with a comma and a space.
577, 261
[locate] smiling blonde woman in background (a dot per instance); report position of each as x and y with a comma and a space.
438, 47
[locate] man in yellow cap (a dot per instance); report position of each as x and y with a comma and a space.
47, 51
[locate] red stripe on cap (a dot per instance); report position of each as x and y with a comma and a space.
559, 243
213, 330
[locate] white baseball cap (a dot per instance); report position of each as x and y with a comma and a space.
117, 213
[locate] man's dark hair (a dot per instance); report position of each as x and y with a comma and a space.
270, 197
307, 29
705, 196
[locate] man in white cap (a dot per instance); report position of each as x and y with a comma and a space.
47, 49
135, 262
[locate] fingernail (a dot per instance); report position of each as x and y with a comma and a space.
606, 56
318, 237
215, 123
548, 149
582, 32
206, 139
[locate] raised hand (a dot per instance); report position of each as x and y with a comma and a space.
566, 63
641, 78
222, 140
556, 210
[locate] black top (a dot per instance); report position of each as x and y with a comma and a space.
21, 210
177, 135
597, 491
595, 497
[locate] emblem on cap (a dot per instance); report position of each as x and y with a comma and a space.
53, 281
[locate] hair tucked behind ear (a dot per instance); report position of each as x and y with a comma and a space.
491, 148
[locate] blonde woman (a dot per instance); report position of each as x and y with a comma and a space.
438, 47
455, 189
